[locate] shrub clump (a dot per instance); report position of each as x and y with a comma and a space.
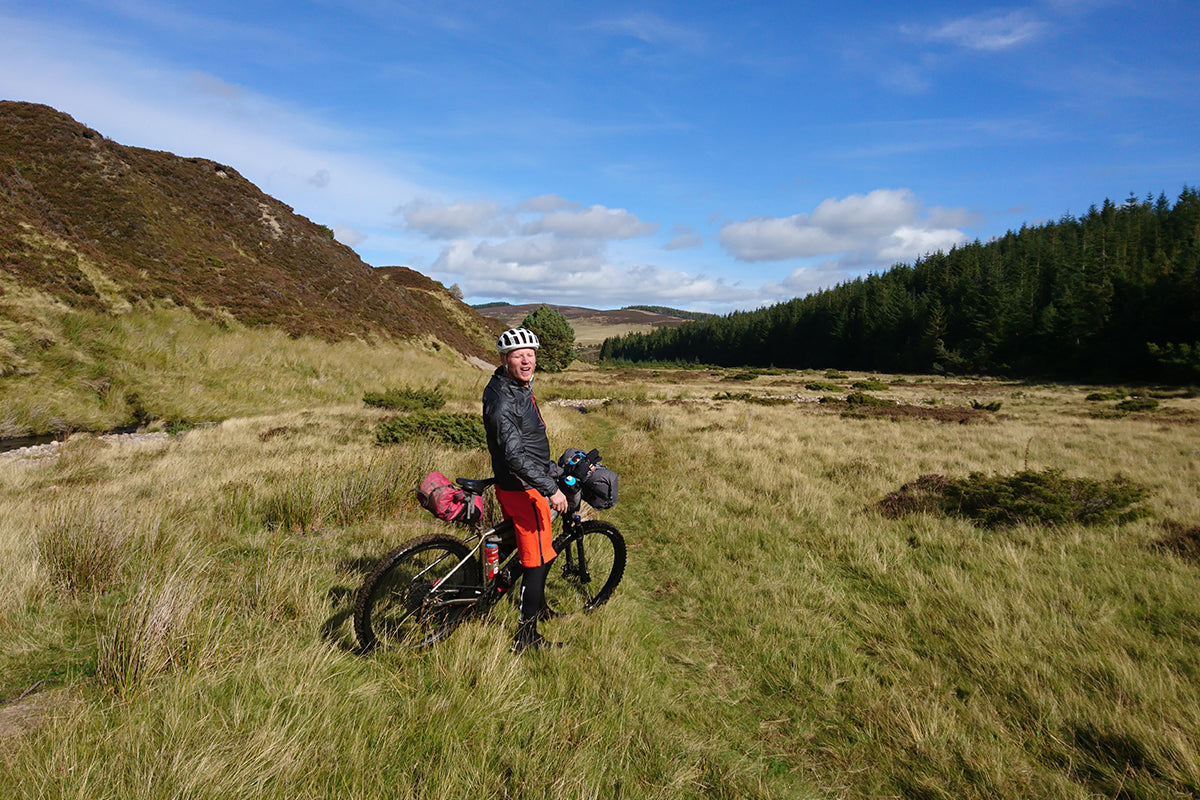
821, 386
460, 431
406, 399
870, 386
1027, 497
770, 401
864, 399
1138, 404
993, 406
746, 397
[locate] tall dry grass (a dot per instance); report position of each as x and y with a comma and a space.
81, 547
774, 635
159, 363
161, 629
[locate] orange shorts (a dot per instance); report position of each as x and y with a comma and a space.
530, 512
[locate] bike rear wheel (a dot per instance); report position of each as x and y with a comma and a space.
414, 597
590, 564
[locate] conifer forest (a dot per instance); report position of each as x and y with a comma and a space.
1113, 295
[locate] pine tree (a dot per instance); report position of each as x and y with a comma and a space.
556, 335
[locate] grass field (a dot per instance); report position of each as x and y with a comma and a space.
175, 616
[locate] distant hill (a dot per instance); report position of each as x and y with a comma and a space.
674, 312
99, 225
591, 326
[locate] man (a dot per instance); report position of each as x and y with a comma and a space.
520, 451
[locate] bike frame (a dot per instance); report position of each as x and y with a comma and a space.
480, 592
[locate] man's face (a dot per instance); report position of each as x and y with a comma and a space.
519, 364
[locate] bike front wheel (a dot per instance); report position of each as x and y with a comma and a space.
590, 564
415, 596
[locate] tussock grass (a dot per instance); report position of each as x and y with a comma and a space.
83, 547
19, 559
774, 636
156, 632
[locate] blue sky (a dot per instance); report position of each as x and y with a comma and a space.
710, 156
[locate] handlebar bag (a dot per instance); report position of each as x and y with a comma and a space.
597, 483
600, 488
446, 501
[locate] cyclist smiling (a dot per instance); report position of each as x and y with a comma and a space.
520, 451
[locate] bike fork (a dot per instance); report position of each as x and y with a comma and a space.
572, 557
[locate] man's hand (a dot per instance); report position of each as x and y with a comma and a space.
558, 501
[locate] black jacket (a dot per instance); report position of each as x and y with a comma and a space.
516, 436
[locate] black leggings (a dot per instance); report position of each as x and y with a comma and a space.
533, 591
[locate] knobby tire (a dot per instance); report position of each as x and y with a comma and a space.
397, 606
589, 565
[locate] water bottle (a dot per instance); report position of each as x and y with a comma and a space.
491, 559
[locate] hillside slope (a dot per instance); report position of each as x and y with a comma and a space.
591, 326
101, 226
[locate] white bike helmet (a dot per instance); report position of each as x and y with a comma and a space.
515, 339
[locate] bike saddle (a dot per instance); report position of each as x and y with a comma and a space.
475, 485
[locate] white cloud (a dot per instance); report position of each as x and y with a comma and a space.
596, 222
938, 217
885, 225
551, 252
908, 243
577, 272
771, 239
529, 261
454, 220
806, 280
825, 274
871, 214
547, 202
553, 216
990, 33
348, 236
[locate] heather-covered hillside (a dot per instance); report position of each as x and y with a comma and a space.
101, 226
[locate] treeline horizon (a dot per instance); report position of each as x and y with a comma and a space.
1111, 295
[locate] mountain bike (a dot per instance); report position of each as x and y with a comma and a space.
419, 592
